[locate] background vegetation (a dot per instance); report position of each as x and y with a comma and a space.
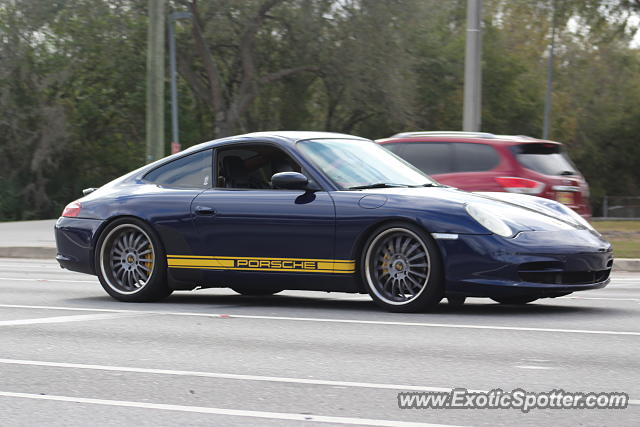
72, 81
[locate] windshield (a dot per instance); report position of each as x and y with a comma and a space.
549, 159
351, 164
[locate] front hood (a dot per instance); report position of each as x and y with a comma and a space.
521, 214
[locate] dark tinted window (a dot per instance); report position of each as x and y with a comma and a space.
246, 166
395, 148
474, 157
193, 171
548, 159
431, 158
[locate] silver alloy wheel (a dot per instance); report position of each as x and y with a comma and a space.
127, 258
397, 266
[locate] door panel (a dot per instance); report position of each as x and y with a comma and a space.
265, 230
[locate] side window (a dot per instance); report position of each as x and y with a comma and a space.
193, 171
474, 157
430, 157
251, 166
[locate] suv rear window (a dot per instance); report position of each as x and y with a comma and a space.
447, 157
548, 159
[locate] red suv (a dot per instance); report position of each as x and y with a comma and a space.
487, 162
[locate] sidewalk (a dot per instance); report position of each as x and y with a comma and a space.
35, 239
27, 239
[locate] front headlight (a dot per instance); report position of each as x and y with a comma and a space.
488, 220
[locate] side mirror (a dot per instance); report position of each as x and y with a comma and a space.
289, 181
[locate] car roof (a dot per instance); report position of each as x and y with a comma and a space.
455, 136
283, 136
278, 137
299, 135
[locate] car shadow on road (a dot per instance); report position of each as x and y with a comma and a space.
180, 301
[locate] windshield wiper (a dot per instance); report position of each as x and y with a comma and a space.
428, 184
377, 185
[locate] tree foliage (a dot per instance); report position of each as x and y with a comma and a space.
72, 80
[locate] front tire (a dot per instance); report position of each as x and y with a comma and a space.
456, 301
514, 300
131, 262
402, 268
256, 291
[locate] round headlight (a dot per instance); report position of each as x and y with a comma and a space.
489, 220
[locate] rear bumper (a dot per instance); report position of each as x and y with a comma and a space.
540, 264
75, 241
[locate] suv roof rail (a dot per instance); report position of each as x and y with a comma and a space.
444, 133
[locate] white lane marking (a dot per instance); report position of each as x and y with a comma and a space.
343, 384
223, 411
326, 320
604, 299
65, 319
534, 367
21, 279
227, 376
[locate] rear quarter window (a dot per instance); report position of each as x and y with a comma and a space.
192, 171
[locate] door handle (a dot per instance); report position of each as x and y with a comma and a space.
205, 210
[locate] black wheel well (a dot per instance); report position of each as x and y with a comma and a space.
362, 239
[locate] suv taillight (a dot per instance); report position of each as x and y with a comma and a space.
72, 210
514, 184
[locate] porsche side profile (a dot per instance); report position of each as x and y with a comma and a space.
264, 212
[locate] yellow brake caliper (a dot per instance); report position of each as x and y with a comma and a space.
385, 264
149, 256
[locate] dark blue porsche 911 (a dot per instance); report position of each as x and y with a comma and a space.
264, 212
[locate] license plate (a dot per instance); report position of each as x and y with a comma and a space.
565, 197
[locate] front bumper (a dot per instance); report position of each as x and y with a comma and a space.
540, 264
76, 239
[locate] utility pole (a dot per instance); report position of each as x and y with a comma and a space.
155, 81
175, 130
471, 118
547, 97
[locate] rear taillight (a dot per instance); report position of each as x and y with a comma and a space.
72, 210
514, 184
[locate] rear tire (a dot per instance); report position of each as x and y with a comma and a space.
131, 263
514, 300
402, 268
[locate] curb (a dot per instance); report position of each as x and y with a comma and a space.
619, 264
27, 252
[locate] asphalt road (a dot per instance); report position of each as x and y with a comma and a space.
71, 356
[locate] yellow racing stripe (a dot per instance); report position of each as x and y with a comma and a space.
296, 265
